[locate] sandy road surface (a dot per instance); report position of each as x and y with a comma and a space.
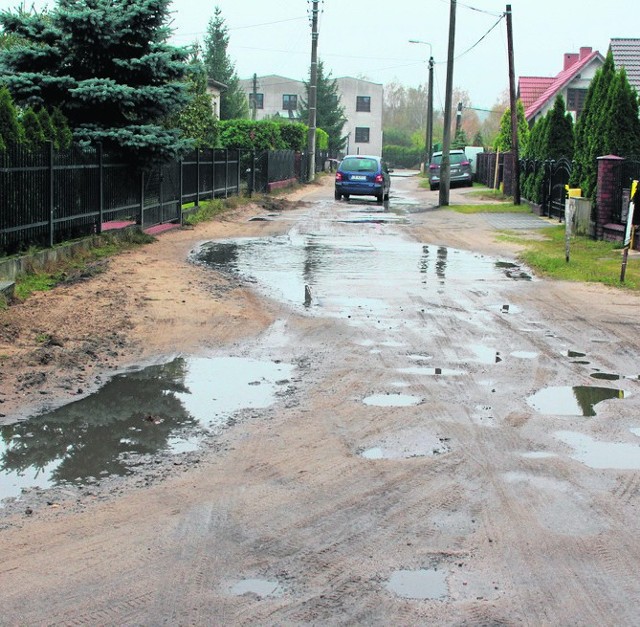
405, 478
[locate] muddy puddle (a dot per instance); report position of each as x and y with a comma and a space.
361, 275
261, 588
427, 583
406, 445
161, 408
392, 400
597, 454
579, 400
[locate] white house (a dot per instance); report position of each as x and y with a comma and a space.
361, 99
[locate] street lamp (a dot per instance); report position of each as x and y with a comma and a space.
429, 137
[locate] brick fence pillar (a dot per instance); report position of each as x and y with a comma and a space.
605, 195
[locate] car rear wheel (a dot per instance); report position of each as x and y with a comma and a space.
386, 196
346, 196
379, 198
432, 187
337, 195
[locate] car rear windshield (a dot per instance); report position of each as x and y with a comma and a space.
359, 165
454, 157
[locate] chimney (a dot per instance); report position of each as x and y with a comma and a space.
569, 59
585, 52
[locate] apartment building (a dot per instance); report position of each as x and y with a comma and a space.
362, 101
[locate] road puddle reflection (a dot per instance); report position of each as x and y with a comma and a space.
579, 400
155, 409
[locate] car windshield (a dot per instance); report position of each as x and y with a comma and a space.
356, 164
454, 157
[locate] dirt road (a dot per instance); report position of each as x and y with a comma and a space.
440, 452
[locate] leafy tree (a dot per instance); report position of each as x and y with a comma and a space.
10, 128
478, 139
329, 111
107, 65
503, 140
233, 100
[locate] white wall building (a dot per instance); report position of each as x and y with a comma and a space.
362, 102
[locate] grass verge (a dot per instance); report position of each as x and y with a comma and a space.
590, 261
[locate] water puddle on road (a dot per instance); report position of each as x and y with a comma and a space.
431, 372
408, 444
580, 400
157, 409
419, 584
260, 587
358, 274
392, 400
524, 354
596, 454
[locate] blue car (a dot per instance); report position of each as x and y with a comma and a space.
362, 175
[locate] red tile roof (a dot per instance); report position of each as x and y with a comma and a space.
530, 88
559, 82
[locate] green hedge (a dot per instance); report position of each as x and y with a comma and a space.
268, 135
401, 156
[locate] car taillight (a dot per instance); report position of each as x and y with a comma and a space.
338, 176
379, 178
465, 163
433, 166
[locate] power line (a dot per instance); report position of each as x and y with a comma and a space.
479, 40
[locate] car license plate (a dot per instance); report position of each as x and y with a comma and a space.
358, 177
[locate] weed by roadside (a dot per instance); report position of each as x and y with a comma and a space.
81, 264
590, 261
506, 207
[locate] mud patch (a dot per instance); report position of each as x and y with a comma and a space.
408, 444
419, 584
261, 588
432, 372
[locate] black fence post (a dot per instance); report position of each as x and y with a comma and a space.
197, 177
226, 173
181, 191
52, 204
238, 173
100, 188
213, 173
142, 199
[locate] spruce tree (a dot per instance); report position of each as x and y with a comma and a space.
233, 100
107, 65
329, 111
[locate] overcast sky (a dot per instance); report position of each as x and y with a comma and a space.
370, 39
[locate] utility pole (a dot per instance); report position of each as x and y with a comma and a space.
313, 91
430, 113
458, 117
428, 144
445, 168
254, 104
514, 112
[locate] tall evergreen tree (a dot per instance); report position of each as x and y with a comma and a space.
503, 140
233, 100
33, 134
11, 131
63, 136
107, 65
589, 129
329, 112
558, 141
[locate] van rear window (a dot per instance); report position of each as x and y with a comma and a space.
359, 165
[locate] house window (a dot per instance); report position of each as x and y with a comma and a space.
289, 102
259, 98
362, 135
575, 100
363, 103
